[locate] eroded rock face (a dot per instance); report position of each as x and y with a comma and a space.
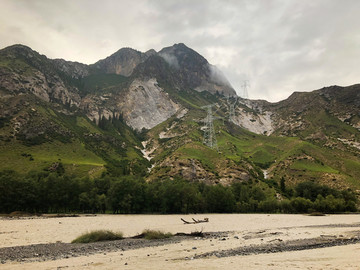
257, 123
25, 71
15, 83
146, 105
95, 108
46, 88
123, 61
73, 69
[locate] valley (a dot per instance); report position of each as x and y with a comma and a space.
142, 115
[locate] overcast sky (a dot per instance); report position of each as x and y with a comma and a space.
280, 46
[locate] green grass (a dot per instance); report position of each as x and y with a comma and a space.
73, 155
98, 236
17, 64
311, 166
99, 82
263, 158
153, 234
82, 122
283, 153
205, 155
328, 124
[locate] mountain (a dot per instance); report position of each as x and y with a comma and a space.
194, 71
143, 114
122, 62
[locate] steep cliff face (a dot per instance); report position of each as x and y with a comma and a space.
146, 105
194, 71
23, 70
72, 69
122, 62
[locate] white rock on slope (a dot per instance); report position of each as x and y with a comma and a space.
257, 123
146, 105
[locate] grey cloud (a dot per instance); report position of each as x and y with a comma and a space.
170, 59
217, 76
279, 45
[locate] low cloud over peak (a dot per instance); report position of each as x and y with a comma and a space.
278, 45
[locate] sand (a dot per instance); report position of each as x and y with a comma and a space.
240, 230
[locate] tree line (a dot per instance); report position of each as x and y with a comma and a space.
52, 192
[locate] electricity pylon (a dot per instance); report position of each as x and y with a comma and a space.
209, 131
245, 85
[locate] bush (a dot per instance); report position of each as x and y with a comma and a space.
286, 206
301, 205
316, 214
269, 206
152, 234
97, 236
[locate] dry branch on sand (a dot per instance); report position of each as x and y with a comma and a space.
195, 221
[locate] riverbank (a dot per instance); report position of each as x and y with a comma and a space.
237, 239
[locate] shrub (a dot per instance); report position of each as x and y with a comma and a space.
269, 206
286, 206
97, 236
316, 214
301, 205
152, 234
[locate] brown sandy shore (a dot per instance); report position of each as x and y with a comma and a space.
280, 241
55, 251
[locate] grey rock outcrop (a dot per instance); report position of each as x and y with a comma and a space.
122, 62
146, 105
72, 69
194, 71
26, 71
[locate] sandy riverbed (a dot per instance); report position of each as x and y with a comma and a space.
240, 231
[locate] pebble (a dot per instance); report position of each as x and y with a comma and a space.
194, 248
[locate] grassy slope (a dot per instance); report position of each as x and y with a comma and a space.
291, 157
103, 83
79, 153
74, 156
79, 144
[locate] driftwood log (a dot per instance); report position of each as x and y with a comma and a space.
195, 221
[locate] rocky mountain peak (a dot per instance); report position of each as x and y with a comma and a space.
72, 69
122, 62
195, 71
18, 49
181, 56
150, 52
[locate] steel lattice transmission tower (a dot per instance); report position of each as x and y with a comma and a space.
245, 85
209, 131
